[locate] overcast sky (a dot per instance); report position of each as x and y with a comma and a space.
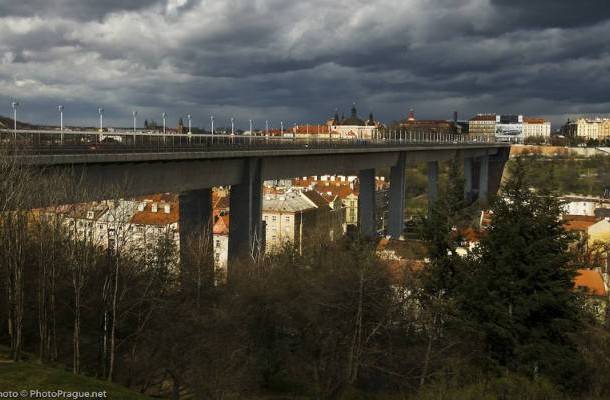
297, 61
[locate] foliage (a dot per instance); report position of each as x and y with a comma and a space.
518, 290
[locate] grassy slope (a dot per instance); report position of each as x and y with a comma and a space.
27, 376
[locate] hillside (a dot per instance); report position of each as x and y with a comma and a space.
29, 376
7, 123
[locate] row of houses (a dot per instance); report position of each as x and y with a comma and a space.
292, 211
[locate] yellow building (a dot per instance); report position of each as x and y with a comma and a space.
587, 128
482, 125
599, 232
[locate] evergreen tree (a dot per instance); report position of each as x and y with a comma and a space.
519, 292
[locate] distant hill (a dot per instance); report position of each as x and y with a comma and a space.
8, 123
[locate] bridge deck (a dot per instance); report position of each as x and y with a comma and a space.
56, 148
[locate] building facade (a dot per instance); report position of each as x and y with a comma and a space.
536, 127
353, 127
294, 216
482, 125
588, 128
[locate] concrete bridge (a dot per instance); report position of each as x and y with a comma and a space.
144, 163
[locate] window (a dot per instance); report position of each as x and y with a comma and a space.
274, 218
287, 218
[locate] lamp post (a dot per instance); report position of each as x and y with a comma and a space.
100, 111
267, 128
212, 123
61, 117
232, 126
61, 123
282, 128
164, 116
135, 116
189, 117
15, 104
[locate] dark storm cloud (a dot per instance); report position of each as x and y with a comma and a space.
77, 9
298, 61
552, 13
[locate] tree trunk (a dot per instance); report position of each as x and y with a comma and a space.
114, 320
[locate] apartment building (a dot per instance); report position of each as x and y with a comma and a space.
294, 216
588, 128
536, 127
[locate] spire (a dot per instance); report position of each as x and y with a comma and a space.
336, 117
354, 112
411, 116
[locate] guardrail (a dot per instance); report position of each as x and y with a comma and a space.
45, 142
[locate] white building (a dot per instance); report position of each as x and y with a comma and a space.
536, 127
293, 216
583, 205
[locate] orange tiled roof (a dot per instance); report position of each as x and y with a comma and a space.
578, 222
148, 217
591, 281
221, 226
533, 120
484, 117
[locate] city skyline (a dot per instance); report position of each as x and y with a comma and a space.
299, 62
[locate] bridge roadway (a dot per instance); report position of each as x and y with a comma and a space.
145, 163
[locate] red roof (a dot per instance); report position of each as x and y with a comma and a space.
590, 280
533, 120
160, 217
484, 117
578, 222
221, 226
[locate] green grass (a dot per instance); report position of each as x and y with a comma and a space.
31, 376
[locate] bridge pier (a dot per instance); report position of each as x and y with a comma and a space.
432, 182
468, 174
397, 197
496, 168
366, 203
195, 219
484, 180
246, 239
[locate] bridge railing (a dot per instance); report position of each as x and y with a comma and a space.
74, 142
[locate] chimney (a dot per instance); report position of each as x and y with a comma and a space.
166, 208
141, 206
153, 207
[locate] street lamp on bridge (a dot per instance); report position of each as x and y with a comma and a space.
100, 111
135, 116
61, 117
164, 116
15, 104
189, 117
232, 126
212, 123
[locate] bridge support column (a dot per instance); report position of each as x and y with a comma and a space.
496, 169
397, 197
195, 209
432, 182
246, 239
468, 173
484, 180
366, 203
